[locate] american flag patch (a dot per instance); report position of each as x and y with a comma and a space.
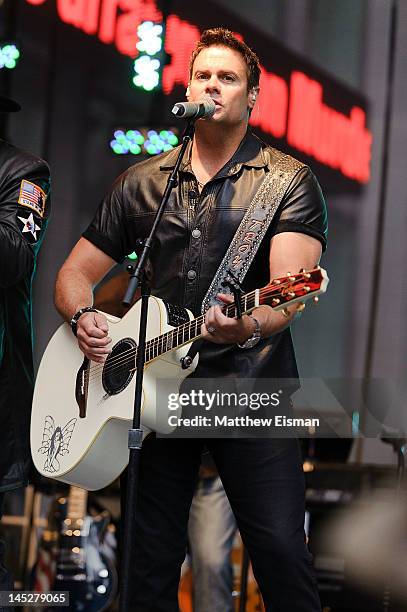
32, 196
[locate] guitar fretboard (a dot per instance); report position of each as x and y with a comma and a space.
190, 331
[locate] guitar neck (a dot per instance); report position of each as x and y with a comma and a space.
279, 293
190, 331
77, 506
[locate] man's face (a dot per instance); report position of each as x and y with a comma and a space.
221, 73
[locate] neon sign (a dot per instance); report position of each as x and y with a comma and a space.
112, 21
338, 141
293, 108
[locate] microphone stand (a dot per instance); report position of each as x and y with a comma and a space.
136, 433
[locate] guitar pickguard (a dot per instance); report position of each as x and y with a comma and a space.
176, 315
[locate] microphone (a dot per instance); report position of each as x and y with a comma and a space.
194, 110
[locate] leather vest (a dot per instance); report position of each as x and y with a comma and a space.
195, 232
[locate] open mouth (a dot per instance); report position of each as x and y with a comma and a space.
214, 100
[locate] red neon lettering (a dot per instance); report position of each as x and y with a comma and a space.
272, 103
341, 142
365, 143
147, 9
320, 135
127, 24
299, 131
126, 30
180, 41
334, 140
107, 25
91, 17
72, 11
357, 164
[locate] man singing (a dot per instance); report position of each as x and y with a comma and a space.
221, 173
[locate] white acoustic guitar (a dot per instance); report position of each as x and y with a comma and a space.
82, 410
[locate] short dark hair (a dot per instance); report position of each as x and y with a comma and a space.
225, 38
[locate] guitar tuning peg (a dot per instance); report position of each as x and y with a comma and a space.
300, 307
315, 299
288, 274
302, 270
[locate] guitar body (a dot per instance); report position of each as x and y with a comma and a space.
77, 553
89, 576
91, 450
82, 411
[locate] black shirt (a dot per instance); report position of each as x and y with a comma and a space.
195, 232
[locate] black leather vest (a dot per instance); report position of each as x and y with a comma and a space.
195, 232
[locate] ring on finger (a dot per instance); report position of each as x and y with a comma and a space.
211, 329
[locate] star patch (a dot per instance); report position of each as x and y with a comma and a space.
32, 197
30, 227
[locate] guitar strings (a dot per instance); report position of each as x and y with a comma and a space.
117, 362
152, 344
120, 360
124, 357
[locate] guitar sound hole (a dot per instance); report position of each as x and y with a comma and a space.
119, 367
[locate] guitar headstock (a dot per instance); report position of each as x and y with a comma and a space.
292, 288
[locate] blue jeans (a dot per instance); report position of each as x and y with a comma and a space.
211, 530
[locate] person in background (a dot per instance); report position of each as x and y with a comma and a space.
211, 532
24, 212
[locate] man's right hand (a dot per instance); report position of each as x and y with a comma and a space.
92, 334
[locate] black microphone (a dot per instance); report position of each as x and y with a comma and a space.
194, 110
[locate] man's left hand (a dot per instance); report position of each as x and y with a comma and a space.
226, 330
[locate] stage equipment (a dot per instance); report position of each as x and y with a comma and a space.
149, 63
77, 554
9, 55
144, 140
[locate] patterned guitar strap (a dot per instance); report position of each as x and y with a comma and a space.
254, 225
249, 234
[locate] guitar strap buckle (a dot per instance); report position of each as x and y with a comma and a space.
237, 289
